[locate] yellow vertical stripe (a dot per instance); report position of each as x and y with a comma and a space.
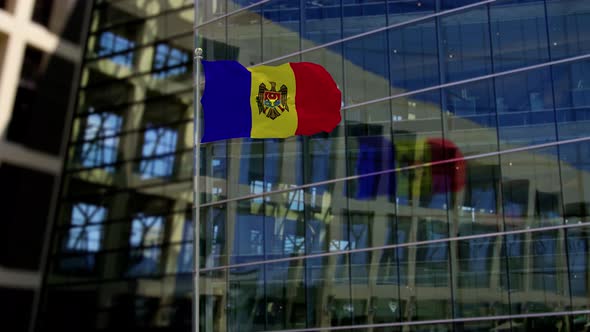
284, 123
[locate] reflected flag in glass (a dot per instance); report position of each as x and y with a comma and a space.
444, 172
268, 101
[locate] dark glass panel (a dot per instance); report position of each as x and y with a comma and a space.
470, 117
577, 250
569, 25
214, 296
413, 57
216, 166
25, 197
404, 10
41, 102
70, 308
478, 209
42, 11
322, 23
431, 327
15, 306
519, 34
150, 261
452, 4
465, 45
362, 16
244, 32
416, 117
280, 28
525, 109
213, 41
478, 273
365, 69
547, 323
530, 184
239, 4
572, 98
427, 296
285, 294
481, 326
537, 272
575, 164
209, 10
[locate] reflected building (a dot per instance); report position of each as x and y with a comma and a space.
453, 196
40, 57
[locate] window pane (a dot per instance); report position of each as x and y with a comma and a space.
572, 98
525, 109
158, 145
568, 28
465, 45
413, 57
519, 34
280, 28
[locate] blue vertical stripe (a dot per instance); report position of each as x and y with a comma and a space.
226, 101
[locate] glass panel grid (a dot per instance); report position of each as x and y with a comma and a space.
499, 231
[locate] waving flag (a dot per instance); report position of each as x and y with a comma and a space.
267, 101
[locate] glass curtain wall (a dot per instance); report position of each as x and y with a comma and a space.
120, 256
476, 114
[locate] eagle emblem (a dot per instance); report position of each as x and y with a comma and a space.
271, 102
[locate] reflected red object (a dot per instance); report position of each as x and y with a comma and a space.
448, 176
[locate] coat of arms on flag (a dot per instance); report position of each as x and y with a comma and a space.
270, 100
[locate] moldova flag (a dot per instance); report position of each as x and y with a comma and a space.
268, 102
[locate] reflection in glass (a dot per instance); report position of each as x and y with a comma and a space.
465, 42
124, 253
110, 43
84, 236
146, 235
525, 108
568, 25
519, 34
413, 57
157, 142
170, 61
530, 182
280, 28
322, 22
361, 16
572, 98
367, 64
100, 146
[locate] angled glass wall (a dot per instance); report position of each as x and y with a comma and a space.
453, 196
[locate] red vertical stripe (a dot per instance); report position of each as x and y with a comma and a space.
317, 99
447, 177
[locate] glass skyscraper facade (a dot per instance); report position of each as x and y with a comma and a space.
453, 196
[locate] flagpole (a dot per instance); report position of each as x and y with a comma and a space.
196, 192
